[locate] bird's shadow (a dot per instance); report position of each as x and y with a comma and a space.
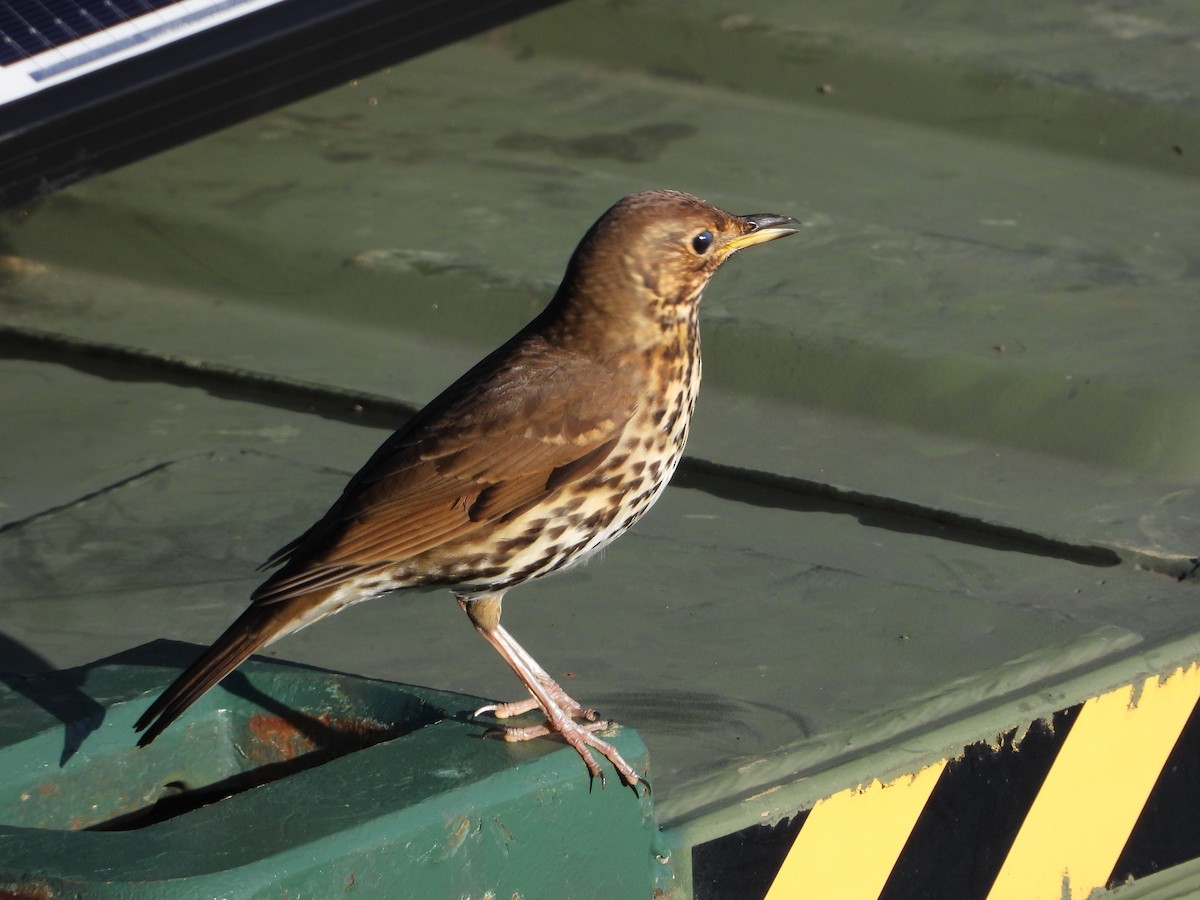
285, 740
59, 693
300, 741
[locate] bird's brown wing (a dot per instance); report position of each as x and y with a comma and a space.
495, 444
499, 450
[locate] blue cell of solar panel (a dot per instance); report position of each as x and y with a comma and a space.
29, 27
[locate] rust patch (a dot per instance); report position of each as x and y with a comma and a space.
25, 892
277, 739
462, 829
278, 746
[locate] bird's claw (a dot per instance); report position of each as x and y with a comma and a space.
582, 736
636, 785
568, 705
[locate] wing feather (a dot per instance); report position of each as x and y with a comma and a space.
492, 446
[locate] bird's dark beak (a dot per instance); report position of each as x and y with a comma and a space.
763, 227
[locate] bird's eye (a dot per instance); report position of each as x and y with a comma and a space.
701, 242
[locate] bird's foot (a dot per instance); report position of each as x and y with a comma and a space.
562, 700
513, 735
583, 737
561, 714
560, 710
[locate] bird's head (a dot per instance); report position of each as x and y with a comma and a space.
652, 254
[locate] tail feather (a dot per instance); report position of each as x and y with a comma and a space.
256, 627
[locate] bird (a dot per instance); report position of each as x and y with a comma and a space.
539, 456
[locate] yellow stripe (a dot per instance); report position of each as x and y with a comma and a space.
850, 841
1099, 783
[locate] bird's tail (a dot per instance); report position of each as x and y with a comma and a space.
256, 627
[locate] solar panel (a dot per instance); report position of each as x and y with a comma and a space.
46, 42
89, 85
30, 27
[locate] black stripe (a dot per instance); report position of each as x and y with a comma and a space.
1168, 830
742, 866
968, 826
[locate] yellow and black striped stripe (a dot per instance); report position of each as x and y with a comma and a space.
1101, 792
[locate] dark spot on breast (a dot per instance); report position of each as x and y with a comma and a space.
670, 424
486, 572
525, 573
571, 505
574, 550
520, 542
593, 522
602, 481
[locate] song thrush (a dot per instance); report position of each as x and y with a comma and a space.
532, 461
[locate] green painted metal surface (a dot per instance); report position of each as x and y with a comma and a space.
945, 472
292, 781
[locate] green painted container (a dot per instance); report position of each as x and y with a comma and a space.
295, 782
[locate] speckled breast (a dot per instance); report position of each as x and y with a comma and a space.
587, 515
